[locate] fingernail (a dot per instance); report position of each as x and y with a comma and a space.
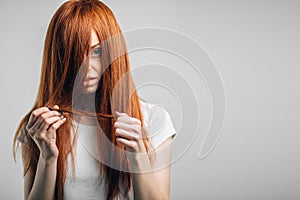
61, 112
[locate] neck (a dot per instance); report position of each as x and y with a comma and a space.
88, 104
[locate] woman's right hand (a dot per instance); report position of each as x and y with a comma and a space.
42, 126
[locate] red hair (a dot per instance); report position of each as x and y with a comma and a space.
67, 41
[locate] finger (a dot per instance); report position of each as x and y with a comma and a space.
34, 116
35, 127
120, 113
40, 120
126, 119
127, 143
128, 127
57, 124
136, 121
48, 122
45, 116
125, 134
56, 107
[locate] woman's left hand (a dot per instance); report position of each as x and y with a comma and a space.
129, 133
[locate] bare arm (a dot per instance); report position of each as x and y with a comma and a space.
146, 185
43, 185
42, 126
154, 185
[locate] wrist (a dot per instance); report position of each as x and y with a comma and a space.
139, 162
48, 159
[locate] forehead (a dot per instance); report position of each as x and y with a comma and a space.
95, 39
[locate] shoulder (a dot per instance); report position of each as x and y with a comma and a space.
158, 122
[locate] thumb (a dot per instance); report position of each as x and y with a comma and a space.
56, 107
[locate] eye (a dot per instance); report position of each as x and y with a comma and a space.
96, 53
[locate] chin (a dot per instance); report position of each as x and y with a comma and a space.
89, 91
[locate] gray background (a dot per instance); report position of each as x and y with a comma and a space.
255, 45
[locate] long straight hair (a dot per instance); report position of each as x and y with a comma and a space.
67, 41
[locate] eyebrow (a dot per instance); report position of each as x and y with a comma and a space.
95, 45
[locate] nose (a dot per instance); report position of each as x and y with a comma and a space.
87, 60
86, 66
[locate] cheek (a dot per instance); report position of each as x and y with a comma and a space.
96, 65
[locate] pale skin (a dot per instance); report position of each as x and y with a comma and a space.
42, 127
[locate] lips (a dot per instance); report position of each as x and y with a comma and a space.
90, 81
89, 78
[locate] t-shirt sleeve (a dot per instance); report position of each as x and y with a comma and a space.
161, 125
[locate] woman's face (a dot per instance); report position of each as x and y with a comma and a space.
90, 83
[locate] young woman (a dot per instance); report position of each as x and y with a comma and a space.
89, 135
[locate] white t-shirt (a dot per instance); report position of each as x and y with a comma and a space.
87, 183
